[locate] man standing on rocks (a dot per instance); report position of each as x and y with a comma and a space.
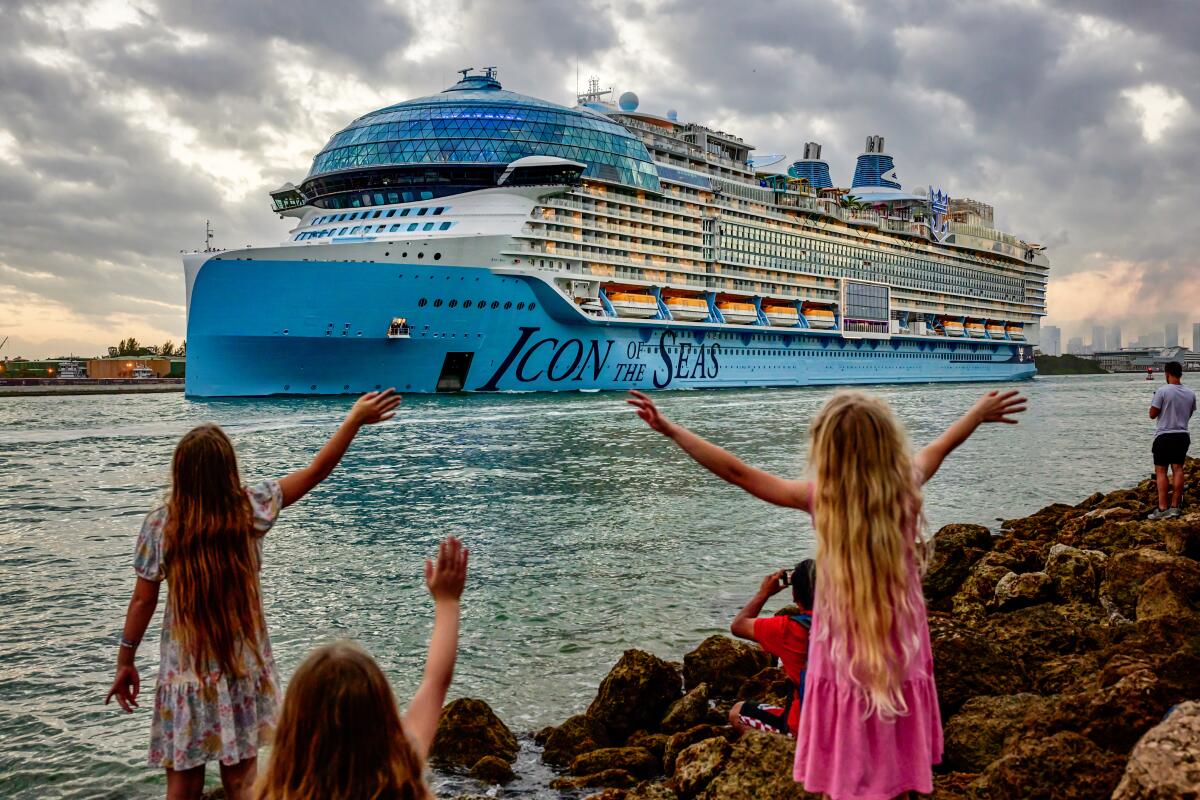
1172, 407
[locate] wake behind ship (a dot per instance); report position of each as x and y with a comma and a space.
483, 240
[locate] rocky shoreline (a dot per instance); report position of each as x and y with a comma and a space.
1067, 655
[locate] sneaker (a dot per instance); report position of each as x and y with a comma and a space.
1159, 513
1172, 512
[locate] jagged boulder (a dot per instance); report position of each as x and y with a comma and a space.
759, 766
724, 664
1170, 596
975, 736
1127, 573
697, 765
654, 742
493, 770
1165, 763
579, 734
1181, 537
467, 731
1065, 766
635, 694
1074, 573
612, 777
1018, 591
1113, 717
688, 711
677, 742
968, 664
956, 548
637, 761
770, 686
979, 587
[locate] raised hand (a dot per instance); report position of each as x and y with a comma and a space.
650, 413
125, 687
772, 584
447, 577
996, 406
375, 407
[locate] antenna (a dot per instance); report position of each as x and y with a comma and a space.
208, 236
465, 72
491, 72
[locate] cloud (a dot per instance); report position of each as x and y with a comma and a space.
125, 125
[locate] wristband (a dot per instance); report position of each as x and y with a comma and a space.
126, 643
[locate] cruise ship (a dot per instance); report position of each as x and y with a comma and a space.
487, 241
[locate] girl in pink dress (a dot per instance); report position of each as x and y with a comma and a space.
870, 728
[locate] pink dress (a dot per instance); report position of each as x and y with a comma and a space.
843, 755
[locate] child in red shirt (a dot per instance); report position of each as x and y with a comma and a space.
785, 637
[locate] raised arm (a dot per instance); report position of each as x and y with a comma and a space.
127, 683
994, 406
743, 624
372, 407
445, 580
722, 463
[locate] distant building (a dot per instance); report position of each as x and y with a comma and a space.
1075, 346
1114, 338
1196, 337
1172, 335
1052, 340
1098, 338
1153, 339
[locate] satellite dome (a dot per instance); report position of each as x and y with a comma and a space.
628, 101
672, 115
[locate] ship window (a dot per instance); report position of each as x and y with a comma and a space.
395, 228
422, 255
495, 304
507, 305
445, 226
393, 198
357, 228
422, 211
412, 226
466, 303
438, 257
426, 195
342, 217
428, 226
520, 306
437, 303
532, 306
391, 212
421, 303
437, 211
342, 232
453, 303
377, 214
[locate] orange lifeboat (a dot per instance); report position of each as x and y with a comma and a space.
783, 316
738, 313
689, 309
631, 304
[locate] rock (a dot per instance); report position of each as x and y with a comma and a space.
697, 765
956, 548
637, 761
688, 711
1074, 573
759, 766
612, 777
467, 731
1165, 763
609, 794
975, 736
541, 736
654, 742
1017, 591
647, 790
724, 664
1182, 536
1128, 572
493, 770
770, 686
579, 734
678, 741
980, 585
968, 664
1065, 766
1035, 634
635, 694
1167, 595
1114, 717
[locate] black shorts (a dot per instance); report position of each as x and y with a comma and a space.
764, 718
1170, 448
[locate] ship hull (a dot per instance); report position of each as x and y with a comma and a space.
309, 327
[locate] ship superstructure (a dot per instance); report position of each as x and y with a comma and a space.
523, 245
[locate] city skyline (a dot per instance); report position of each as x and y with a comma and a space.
124, 126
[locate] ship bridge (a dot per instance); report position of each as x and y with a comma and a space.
463, 139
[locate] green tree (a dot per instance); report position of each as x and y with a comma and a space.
182, 351
167, 349
129, 347
851, 202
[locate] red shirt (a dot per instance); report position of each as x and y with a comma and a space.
788, 640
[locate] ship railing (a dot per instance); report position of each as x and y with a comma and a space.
984, 232
614, 198
643, 218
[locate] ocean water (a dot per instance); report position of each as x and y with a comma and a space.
589, 534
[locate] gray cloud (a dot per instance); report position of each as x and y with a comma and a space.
1023, 105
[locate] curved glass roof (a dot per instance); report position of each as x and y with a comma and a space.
477, 122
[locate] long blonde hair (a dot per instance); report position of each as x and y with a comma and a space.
340, 736
867, 511
211, 561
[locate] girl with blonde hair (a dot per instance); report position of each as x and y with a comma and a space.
870, 727
341, 737
218, 690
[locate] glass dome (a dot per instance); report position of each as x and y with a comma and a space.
477, 122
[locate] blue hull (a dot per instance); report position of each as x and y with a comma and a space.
259, 328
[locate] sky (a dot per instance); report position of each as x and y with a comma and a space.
124, 126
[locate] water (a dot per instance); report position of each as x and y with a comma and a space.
589, 535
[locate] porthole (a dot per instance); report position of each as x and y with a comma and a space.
495, 304
437, 303
437, 256
421, 303
387, 252
404, 254
420, 255
508, 305
312, 388
481, 303
285, 331
453, 303
287, 386
520, 306
466, 303
532, 306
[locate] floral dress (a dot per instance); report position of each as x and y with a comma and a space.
221, 718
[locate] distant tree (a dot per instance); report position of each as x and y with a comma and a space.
851, 202
167, 349
182, 351
129, 347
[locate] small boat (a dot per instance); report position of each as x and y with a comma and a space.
690, 309
975, 330
820, 318
738, 313
952, 327
69, 370
783, 316
399, 329
141, 371
630, 304
995, 331
1016, 332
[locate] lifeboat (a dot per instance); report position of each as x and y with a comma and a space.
630, 304
689, 309
739, 313
995, 330
975, 330
783, 316
952, 327
1016, 332
820, 318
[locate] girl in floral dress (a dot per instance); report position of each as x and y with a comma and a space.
217, 694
